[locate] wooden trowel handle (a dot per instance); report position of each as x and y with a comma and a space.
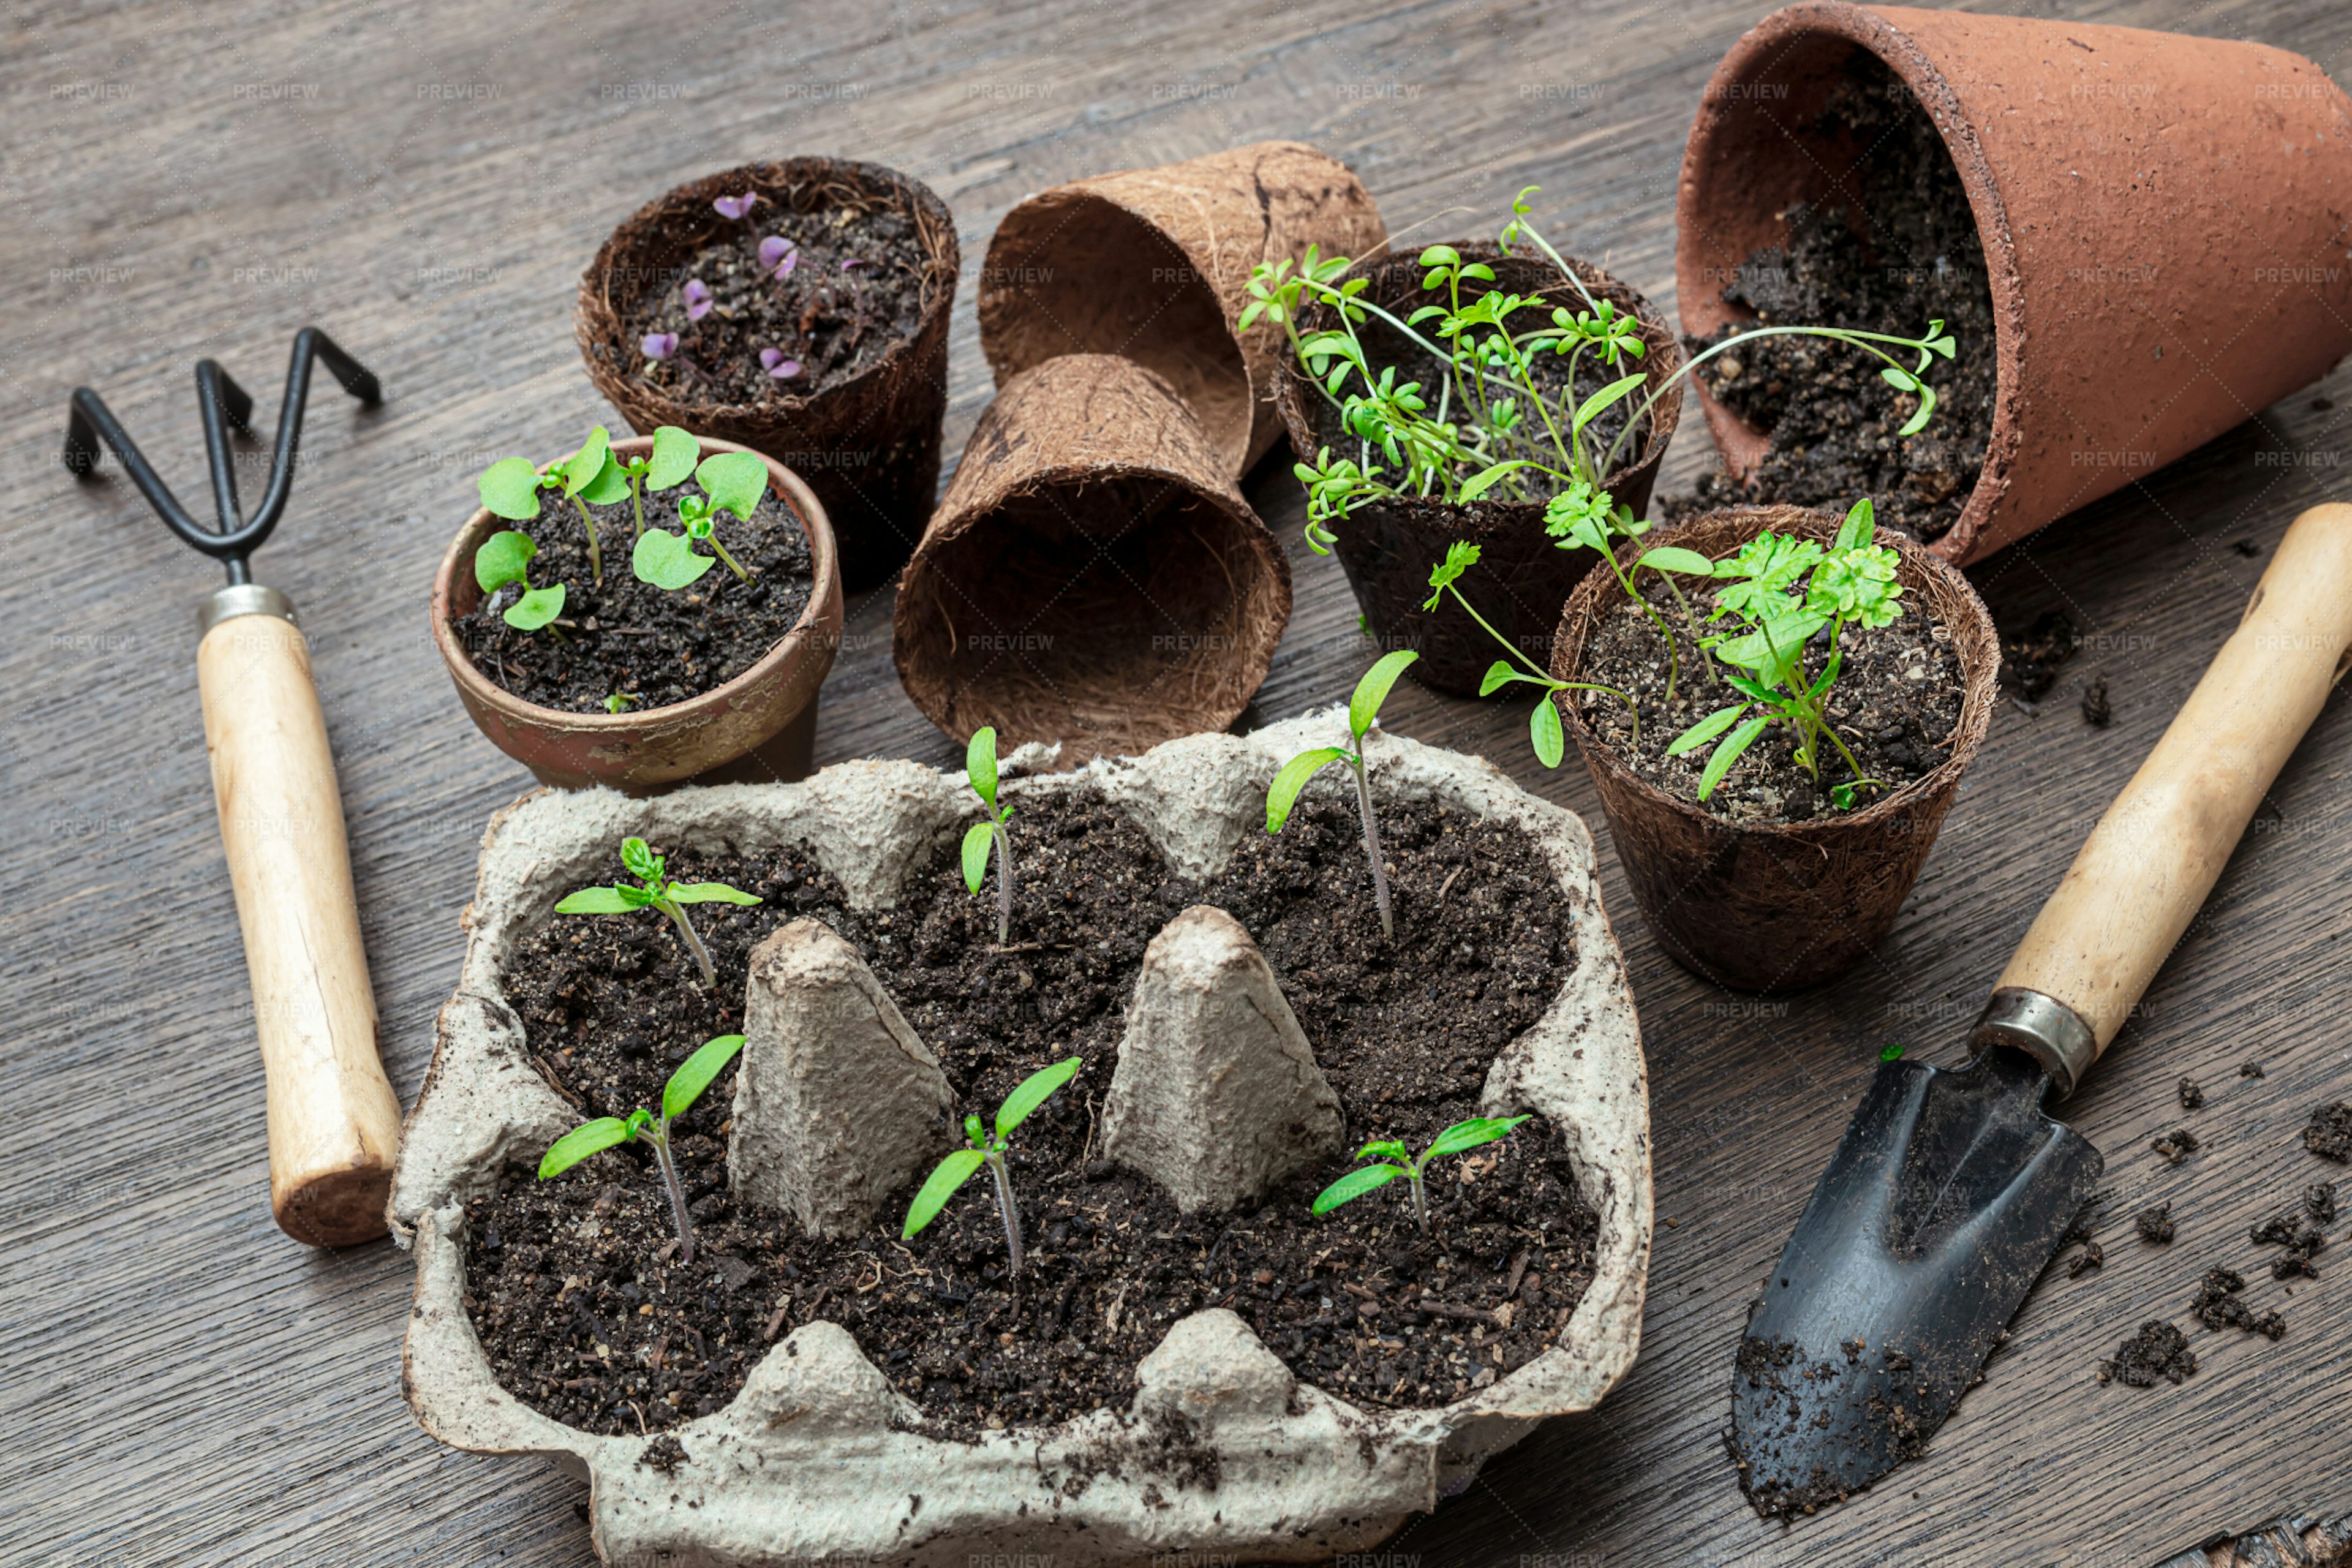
2156, 854
334, 1123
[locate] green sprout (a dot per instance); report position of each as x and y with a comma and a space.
621, 701
641, 1126
1397, 1160
1543, 724
654, 889
669, 463
505, 557
510, 487
989, 1149
1780, 594
1363, 709
979, 767
731, 482
1891, 1052
1493, 428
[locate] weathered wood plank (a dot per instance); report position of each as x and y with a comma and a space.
184, 1385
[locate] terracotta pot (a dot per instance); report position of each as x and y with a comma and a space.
1092, 576
755, 729
1772, 907
1154, 264
1522, 577
2163, 221
870, 446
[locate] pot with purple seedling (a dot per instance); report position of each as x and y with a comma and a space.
799, 308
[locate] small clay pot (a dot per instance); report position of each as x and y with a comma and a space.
1775, 906
1155, 264
1092, 576
1387, 548
870, 446
759, 728
2163, 221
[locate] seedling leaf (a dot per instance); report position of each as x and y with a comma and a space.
1282, 794
1033, 1092
734, 480
596, 902
694, 1074
977, 838
674, 457
952, 1173
592, 1138
1470, 1134
1355, 1184
1729, 752
1593, 405
582, 468
504, 557
710, 893
668, 560
1543, 730
611, 484
536, 609
1705, 730
510, 488
1674, 558
1373, 690
980, 762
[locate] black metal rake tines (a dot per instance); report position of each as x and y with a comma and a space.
225, 405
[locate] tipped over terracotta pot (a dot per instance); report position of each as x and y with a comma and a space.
1774, 906
2163, 219
758, 728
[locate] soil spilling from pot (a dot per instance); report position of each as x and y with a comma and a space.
1896, 704
1916, 258
852, 291
574, 1286
650, 646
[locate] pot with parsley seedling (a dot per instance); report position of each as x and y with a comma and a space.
1486, 394
643, 612
1777, 706
800, 308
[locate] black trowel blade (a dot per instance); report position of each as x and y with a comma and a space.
1950, 1194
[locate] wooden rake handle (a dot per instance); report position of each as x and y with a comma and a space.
2147, 866
334, 1123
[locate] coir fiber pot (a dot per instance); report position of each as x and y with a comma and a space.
2163, 220
868, 446
757, 728
819, 1455
1155, 264
1775, 906
1387, 547
1092, 576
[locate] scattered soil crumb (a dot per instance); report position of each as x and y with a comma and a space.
664, 1454
2251, 1069
2319, 1202
2158, 1349
2192, 1094
2329, 1136
2098, 712
2176, 1145
2155, 1225
2247, 547
2091, 1257
2303, 1240
2216, 1305
2029, 660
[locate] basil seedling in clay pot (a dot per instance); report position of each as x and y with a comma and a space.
800, 308
1777, 717
589, 639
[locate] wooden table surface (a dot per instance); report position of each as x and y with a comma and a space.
179, 1384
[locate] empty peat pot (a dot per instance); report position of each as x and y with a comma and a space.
1387, 548
2163, 220
1775, 906
869, 444
1092, 576
759, 727
1221, 1447
1155, 264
